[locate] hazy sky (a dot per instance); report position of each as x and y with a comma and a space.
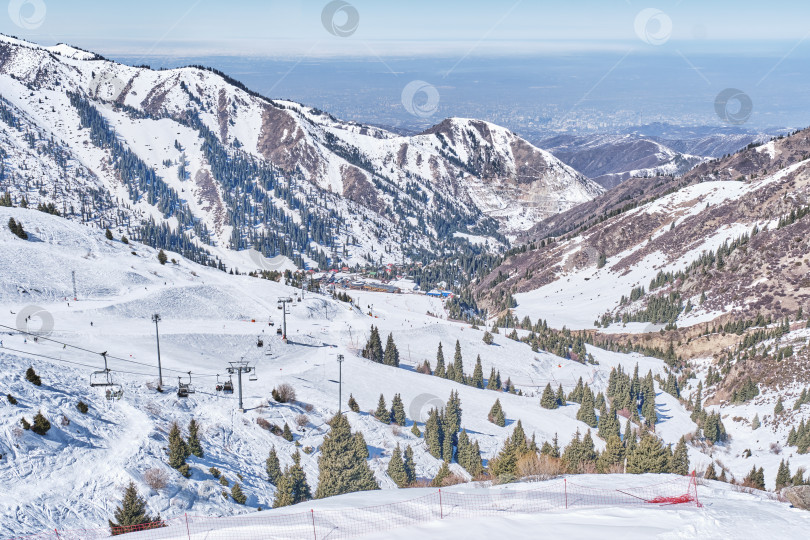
382, 27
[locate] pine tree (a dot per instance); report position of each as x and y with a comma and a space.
434, 436
710, 473
178, 451
440, 369
649, 456
680, 459
391, 355
373, 349
778, 408
273, 467
360, 446
487, 337
237, 494
296, 479
398, 411
162, 258
193, 443
491, 381
41, 424
798, 477
458, 364
452, 415
382, 414
560, 396
410, 467
353, 406
396, 468
341, 468
108, 234
32, 377
585, 413
478, 374
549, 400
612, 455
132, 511
496, 414
286, 433
451, 372
783, 475
444, 472
576, 393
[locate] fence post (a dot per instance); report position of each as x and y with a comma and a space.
565, 484
314, 533
57, 534
188, 532
441, 511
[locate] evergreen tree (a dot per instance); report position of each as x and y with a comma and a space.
612, 455
132, 511
452, 415
32, 377
396, 468
710, 473
286, 433
585, 413
162, 258
178, 451
458, 364
679, 464
373, 349
469, 455
778, 408
273, 467
649, 456
353, 406
391, 355
497, 415
440, 369
237, 494
41, 424
410, 467
560, 396
434, 436
382, 414
491, 381
193, 443
478, 374
108, 234
549, 400
341, 468
451, 372
487, 337
783, 475
398, 411
798, 477
444, 472
360, 446
576, 393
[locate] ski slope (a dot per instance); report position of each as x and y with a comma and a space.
72, 477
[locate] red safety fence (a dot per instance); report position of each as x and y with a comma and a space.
440, 504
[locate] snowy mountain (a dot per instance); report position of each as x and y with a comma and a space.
192, 160
609, 160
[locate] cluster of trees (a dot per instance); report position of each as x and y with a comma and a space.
401, 468
748, 390
710, 423
444, 441
632, 394
17, 229
800, 437
454, 371
374, 350
180, 449
784, 479
394, 415
804, 397
563, 343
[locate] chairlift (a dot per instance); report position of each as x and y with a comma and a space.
227, 386
260, 342
278, 331
219, 384
271, 323
103, 378
252, 375
184, 389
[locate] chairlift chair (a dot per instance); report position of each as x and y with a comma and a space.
219, 384
227, 387
114, 392
182, 388
101, 378
252, 376
278, 331
260, 342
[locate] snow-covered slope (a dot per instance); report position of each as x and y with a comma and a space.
72, 476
